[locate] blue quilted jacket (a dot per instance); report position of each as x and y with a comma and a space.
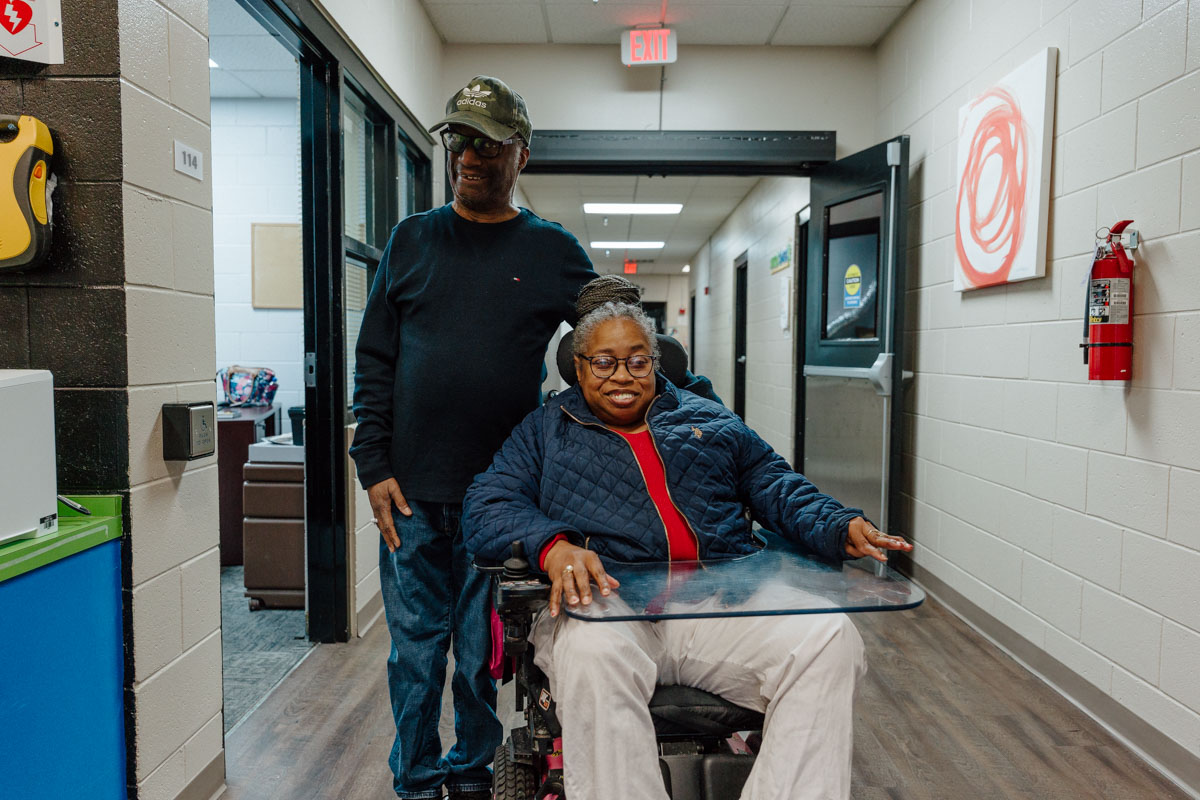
562, 471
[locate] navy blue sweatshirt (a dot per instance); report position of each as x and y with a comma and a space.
453, 338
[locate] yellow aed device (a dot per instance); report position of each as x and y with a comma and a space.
25, 186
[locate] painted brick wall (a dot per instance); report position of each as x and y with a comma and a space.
52, 317
1063, 509
256, 178
174, 591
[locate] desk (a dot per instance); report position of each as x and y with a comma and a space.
62, 717
234, 437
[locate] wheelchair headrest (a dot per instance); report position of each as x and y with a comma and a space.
673, 359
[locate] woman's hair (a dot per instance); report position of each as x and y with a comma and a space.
610, 297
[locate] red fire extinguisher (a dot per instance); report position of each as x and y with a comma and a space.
1108, 309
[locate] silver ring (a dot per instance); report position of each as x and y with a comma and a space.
568, 568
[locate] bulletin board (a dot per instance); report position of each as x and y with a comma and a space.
277, 265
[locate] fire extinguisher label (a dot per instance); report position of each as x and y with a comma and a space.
1109, 302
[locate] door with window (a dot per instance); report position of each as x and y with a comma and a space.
852, 382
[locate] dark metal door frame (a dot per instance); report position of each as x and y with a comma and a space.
799, 331
741, 288
692, 331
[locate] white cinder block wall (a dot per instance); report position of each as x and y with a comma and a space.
256, 179
176, 612
763, 223
1063, 509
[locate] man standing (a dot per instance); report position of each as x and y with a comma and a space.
450, 355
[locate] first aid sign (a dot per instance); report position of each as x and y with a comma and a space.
31, 30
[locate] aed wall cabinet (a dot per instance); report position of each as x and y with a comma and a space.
62, 720
189, 431
26, 147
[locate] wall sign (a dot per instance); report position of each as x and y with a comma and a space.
188, 160
31, 30
782, 258
852, 287
646, 46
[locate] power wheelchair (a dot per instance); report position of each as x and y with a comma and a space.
706, 744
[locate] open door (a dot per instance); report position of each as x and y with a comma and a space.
852, 387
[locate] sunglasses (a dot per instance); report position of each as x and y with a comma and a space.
488, 148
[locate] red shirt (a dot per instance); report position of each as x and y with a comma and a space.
681, 541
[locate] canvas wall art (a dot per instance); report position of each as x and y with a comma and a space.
1005, 137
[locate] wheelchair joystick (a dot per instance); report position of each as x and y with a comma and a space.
516, 568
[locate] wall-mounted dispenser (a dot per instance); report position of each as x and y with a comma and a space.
26, 184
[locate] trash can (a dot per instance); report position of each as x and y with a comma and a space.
297, 416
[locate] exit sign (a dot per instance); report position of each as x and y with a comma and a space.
630, 267
648, 46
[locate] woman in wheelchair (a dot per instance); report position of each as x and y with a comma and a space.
625, 467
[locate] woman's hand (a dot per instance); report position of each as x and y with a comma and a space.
862, 539
572, 570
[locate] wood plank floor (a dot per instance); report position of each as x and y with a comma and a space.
942, 715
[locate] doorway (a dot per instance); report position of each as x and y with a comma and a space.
741, 287
259, 295
314, 161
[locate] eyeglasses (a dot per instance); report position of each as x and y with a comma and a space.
488, 148
606, 366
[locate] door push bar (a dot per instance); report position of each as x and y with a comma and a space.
879, 373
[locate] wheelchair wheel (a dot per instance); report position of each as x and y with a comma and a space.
510, 780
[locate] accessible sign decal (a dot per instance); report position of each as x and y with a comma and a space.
31, 30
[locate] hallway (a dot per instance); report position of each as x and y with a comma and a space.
942, 713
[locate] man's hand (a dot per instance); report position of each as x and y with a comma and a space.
383, 495
572, 570
862, 539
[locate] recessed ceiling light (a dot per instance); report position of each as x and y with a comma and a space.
212, 64
687, 267
632, 208
628, 245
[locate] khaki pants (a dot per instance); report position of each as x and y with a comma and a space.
801, 671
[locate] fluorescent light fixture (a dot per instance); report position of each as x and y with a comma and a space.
212, 64
687, 267
628, 245
632, 208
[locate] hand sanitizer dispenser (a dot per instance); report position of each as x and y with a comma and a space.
28, 482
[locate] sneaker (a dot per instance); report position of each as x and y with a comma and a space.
480, 794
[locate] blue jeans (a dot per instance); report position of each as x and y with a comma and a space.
432, 596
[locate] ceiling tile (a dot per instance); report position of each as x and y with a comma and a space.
224, 85
489, 23
835, 25
252, 52
844, 3
273, 83
228, 17
744, 24
598, 23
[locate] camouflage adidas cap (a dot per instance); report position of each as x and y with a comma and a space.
489, 106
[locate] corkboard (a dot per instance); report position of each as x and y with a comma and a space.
277, 265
